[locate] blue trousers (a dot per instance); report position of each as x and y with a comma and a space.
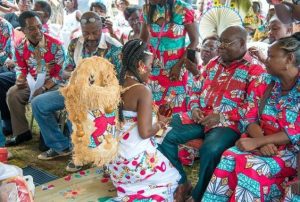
44, 107
7, 80
216, 141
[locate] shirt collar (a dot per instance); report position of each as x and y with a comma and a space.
41, 44
102, 44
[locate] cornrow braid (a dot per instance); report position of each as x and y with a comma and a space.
291, 44
132, 52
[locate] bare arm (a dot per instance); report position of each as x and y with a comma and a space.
145, 127
254, 130
193, 35
280, 138
144, 36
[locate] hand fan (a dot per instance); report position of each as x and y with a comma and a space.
216, 20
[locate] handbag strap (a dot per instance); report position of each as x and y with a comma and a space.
159, 39
264, 98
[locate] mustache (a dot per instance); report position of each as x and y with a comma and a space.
92, 41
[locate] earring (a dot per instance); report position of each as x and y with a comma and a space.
142, 69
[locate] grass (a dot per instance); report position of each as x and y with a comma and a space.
26, 154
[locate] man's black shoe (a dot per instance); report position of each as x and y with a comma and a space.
16, 140
6, 132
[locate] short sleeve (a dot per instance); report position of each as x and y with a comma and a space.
69, 63
189, 15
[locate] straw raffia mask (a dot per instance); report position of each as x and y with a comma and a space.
91, 98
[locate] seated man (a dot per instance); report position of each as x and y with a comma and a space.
228, 80
7, 77
83, 47
38, 54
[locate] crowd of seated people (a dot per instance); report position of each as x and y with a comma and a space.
246, 114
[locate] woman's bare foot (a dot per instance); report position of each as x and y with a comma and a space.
183, 191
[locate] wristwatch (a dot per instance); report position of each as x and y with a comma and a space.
44, 88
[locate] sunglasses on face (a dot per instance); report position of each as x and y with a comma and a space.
89, 20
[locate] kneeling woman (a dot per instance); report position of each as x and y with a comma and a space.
258, 168
140, 171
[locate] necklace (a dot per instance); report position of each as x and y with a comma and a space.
132, 77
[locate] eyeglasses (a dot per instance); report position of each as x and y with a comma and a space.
226, 44
89, 20
206, 48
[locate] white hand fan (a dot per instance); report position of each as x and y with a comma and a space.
216, 20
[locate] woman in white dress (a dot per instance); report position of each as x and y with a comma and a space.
71, 24
140, 171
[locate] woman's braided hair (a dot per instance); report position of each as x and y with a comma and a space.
132, 52
291, 44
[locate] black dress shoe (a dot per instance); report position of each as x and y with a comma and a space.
6, 132
15, 140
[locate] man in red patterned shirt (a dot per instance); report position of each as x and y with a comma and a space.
39, 57
228, 81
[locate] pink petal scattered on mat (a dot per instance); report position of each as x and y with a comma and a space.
51, 186
82, 172
120, 189
104, 180
68, 178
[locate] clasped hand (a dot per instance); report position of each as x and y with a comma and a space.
208, 121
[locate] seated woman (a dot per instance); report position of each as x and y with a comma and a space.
140, 171
259, 166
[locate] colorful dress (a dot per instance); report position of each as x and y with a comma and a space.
140, 171
6, 43
247, 176
171, 48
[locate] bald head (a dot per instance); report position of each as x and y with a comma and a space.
237, 31
90, 17
233, 43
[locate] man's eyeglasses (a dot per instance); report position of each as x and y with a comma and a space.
226, 44
89, 20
